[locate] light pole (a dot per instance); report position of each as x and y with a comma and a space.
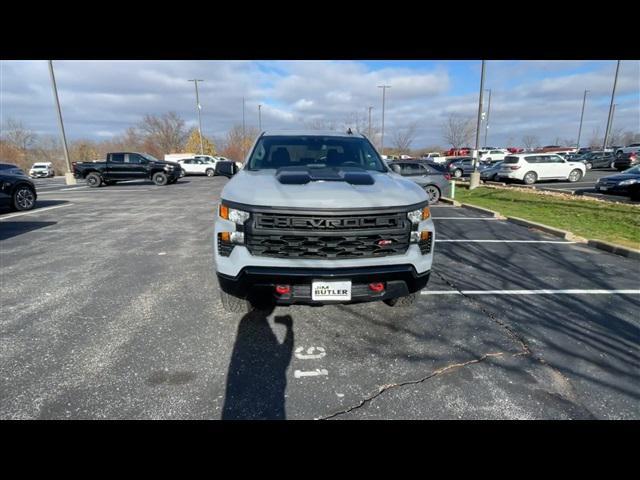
486, 125
613, 95
384, 90
474, 181
198, 108
244, 132
370, 108
68, 176
584, 100
260, 117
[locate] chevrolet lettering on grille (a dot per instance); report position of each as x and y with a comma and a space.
324, 223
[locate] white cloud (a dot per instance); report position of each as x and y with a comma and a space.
101, 98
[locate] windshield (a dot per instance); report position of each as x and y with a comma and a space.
635, 170
314, 151
151, 158
39, 165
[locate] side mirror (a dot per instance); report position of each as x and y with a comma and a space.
396, 168
226, 169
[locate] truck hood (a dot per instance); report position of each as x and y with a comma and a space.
262, 188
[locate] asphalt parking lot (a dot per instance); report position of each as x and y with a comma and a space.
110, 309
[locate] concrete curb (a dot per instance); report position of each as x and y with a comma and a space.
564, 234
450, 201
489, 182
493, 213
615, 249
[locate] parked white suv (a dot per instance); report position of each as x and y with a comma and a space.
529, 168
198, 166
494, 155
43, 169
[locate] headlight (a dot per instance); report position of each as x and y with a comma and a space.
169, 167
631, 181
232, 214
416, 216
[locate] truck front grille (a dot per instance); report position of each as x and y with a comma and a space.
327, 236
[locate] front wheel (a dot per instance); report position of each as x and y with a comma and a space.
94, 180
160, 178
589, 165
24, 198
530, 178
210, 172
575, 175
433, 192
457, 173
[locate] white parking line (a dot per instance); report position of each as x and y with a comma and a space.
36, 210
531, 292
502, 241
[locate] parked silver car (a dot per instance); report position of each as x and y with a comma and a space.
434, 180
490, 172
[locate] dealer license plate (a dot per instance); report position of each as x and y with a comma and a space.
323, 290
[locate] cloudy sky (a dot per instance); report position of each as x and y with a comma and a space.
102, 98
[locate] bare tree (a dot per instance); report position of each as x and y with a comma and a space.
17, 134
320, 124
458, 131
630, 137
596, 140
164, 133
530, 141
235, 145
402, 138
616, 137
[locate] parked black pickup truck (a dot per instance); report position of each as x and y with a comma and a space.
127, 166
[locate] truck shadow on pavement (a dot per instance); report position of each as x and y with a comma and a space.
13, 229
256, 379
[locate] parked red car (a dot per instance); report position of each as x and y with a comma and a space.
515, 149
458, 152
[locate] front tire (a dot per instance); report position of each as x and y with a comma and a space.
159, 178
457, 173
575, 175
530, 178
24, 198
94, 180
588, 165
210, 172
433, 192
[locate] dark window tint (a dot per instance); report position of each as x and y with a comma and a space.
314, 151
117, 157
133, 158
529, 159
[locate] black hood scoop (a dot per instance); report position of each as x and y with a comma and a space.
304, 175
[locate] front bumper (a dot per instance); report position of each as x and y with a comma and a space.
259, 282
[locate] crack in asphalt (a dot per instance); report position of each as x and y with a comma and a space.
510, 331
384, 388
525, 351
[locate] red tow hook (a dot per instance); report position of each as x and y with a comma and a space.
376, 287
283, 289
